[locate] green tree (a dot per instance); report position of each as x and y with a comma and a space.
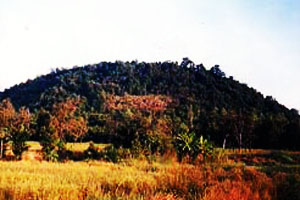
45, 134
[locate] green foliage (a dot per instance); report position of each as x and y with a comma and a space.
149, 144
18, 143
53, 149
230, 113
45, 134
111, 154
53, 128
205, 148
187, 144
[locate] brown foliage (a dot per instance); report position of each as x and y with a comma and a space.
16, 122
7, 113
139, 118
21, 120
143, 103
65, 122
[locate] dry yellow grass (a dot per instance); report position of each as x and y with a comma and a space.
34, 149
164, 179
35, 146
80, 147
43, 180
134, 179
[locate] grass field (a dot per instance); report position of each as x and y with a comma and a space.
259, 174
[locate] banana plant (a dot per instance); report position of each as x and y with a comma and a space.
188, 144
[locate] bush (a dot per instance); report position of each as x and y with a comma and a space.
186, 144
111, 154
54, 149
205, 148
150, 144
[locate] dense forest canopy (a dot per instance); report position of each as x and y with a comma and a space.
118, 101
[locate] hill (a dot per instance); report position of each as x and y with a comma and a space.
206, 101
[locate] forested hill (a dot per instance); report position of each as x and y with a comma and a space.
207, 101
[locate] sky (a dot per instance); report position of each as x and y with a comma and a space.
255, 41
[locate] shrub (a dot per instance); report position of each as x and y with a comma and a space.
54, 149
151, 143
205, 148
111, 154
186, 145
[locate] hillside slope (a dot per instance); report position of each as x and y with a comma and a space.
208, 101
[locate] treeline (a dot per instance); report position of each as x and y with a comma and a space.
171, 100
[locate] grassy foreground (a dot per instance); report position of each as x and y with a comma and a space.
254, 175
137, 179
133, 180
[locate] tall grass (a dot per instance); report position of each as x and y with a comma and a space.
134, 179
230, 175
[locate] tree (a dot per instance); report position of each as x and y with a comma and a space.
19, 131
217, 71
224, 121
139, 121
272, 131
14, 126
45, 134
53, 127
65, 122
192, 88
77, 127
7, 112
237, 127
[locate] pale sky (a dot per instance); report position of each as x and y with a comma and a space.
255, 41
